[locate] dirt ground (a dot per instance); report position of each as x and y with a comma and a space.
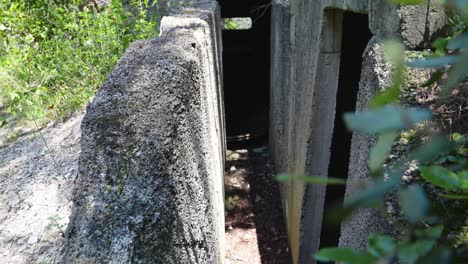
255, 229
36, 181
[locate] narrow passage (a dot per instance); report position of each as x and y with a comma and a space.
255, 228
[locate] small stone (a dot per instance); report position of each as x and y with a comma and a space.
33, 240
232, 169
14, 200
234, 156
20, 241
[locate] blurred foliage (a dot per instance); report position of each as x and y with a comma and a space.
55, 54
230, 24
430, 219
434, 204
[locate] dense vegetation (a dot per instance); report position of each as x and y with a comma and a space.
55, 54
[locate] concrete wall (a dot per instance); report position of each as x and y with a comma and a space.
150, 186
305, 57
375, 76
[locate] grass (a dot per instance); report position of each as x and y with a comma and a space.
54, 55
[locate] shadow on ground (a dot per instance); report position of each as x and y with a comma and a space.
255, 227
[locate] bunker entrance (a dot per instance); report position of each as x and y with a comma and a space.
246, 67
355, 37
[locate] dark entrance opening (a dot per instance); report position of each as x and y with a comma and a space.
255, 228
355, 38
246, 69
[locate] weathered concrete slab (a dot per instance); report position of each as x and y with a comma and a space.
280, 79
150, 186
321, 123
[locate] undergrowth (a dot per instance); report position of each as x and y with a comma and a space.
55, 54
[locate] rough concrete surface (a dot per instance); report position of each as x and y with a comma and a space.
36, 181
149, 188
280, 78
375, 76
320, 137
420, 25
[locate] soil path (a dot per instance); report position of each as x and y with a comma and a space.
255, 230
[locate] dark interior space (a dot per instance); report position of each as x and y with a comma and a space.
246, 70
356, 35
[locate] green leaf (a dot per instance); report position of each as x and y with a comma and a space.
435, 77
456, 74
441, 160
457, 137
381, 246
409, 253
463, 178
394, 52
441, 177
437, 256
434, 62
463, 151
388, 96
441, 43
461, 4
414, 203
13, 95
429, 151
451, 158
430, 233
458, 42
311, 179
230, 24
407, 2
379, 152
455, 196
345, 255
385, 119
